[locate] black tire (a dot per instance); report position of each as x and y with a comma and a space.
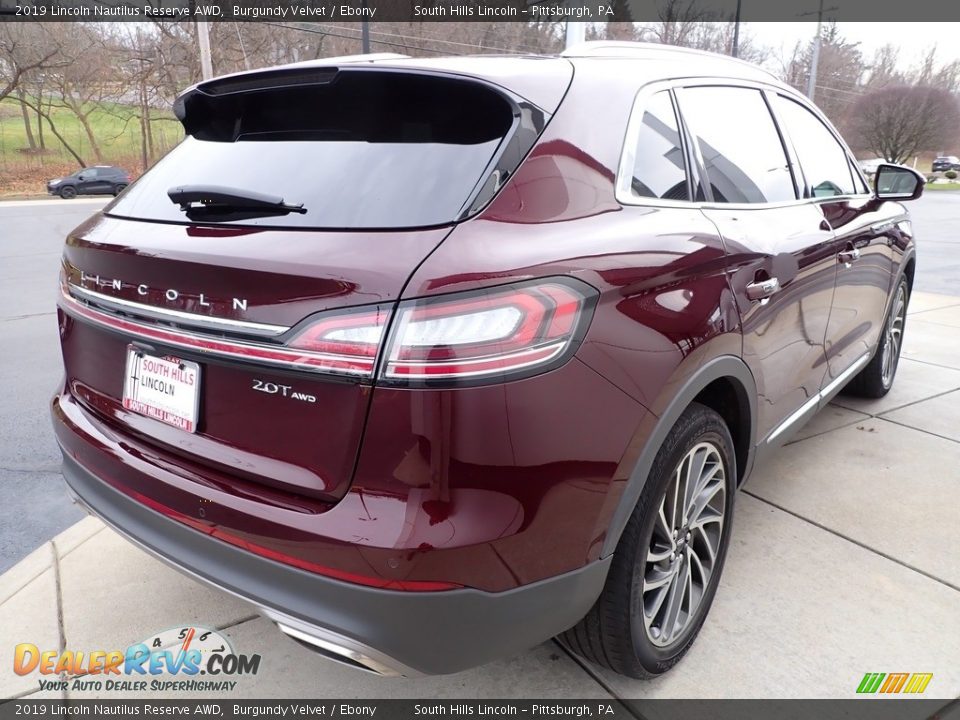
69, 192
876, 379
613, 633
117, 189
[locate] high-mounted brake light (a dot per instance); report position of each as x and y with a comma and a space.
488, 335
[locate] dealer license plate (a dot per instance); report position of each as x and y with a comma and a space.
164, 388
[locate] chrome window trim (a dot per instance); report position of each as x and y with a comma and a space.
622, 188
142, 311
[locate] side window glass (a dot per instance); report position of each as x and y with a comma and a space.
741, 148
824, 161
658, 166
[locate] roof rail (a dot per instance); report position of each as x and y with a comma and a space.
626, 49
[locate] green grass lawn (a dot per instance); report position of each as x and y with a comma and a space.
942, 186
117, 134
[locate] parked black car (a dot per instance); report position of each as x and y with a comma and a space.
946, 162
97, 180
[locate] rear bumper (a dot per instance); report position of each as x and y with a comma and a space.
384, 631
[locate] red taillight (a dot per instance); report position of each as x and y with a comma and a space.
481, 336
488, 335
354, 338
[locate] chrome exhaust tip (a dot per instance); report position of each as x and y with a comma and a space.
338, 648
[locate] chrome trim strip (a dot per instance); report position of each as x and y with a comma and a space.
845, 375
834, 385
288, 357
795, 417
157, 313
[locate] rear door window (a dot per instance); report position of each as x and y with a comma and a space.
825, 164
658, 168
739, 143
358, 149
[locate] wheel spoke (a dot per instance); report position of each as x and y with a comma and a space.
651, 612
711, 552
675, 487
659, 554
693, 481
658, 579
695, 563
665, 528
703, 500
674, 602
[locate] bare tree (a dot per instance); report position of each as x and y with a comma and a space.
839, 73
83, 85
25, 47
27, 120
38, 108
899, 121
885, 68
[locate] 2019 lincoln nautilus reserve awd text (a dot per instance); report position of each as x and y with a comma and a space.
431, 361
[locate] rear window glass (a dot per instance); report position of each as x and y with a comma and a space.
362, 150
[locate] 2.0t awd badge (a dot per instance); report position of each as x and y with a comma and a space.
271, 388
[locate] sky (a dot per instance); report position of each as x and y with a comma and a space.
914, 38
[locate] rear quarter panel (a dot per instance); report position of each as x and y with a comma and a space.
664, 310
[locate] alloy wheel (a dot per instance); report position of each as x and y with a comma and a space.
682, 555
894, 337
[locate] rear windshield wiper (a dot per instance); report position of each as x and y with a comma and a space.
216, 200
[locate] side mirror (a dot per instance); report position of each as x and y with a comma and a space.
81, 177
898, 182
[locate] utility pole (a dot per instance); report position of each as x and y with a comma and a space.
736, 33
576, 33
815, 59
203, 40
364, 30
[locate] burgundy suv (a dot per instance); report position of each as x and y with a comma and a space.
433, 360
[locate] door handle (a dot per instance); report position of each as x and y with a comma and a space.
849, 255
762, 289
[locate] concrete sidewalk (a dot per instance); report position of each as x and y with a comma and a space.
843, 561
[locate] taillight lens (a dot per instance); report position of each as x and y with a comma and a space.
470, 338
488, 335
348, 343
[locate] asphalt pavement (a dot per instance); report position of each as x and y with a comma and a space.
33, 504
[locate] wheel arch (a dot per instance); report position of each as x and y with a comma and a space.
724, 384
909, 269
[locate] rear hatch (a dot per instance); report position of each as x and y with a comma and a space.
229, 306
